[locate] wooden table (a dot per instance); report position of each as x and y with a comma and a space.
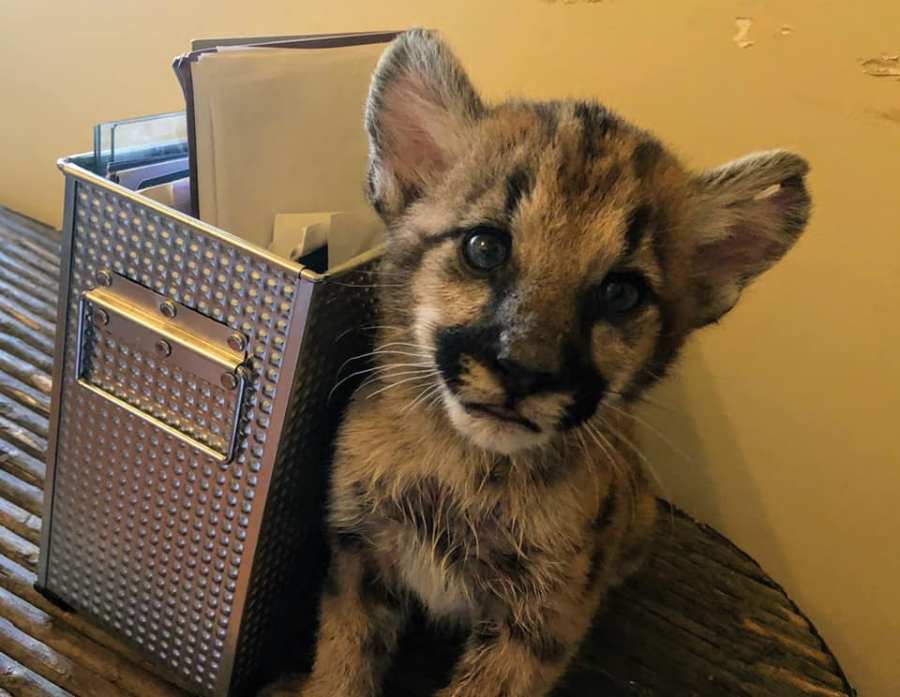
702, 618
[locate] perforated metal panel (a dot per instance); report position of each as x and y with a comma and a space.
173, 378
154, 524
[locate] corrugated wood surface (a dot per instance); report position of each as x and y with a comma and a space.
701, 619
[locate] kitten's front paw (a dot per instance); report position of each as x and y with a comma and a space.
288, 686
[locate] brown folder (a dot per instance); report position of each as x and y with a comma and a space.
183, 63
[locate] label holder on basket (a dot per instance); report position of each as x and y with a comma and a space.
175, 368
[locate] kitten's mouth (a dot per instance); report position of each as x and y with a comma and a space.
501, 413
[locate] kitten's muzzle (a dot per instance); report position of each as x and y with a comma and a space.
519, 381
482, 344
512, 375
502, 413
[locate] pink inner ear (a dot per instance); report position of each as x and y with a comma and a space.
757, 236
412, 129
742, 254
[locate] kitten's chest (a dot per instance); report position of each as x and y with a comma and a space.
441, 546
445, 594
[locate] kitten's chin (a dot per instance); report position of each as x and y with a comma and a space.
490, 433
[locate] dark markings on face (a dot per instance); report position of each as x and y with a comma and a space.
666, 350
645, 157
481, 183
410, 193
453, 343
518, 186
601, 186
660, 239
638, 223
481, 342
411, 257
521, 381
631, 333
585, 187
588, 383
549, 116
595, 124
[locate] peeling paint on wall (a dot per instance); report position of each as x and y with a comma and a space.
890, 115
743, 25
886, 65
786, 30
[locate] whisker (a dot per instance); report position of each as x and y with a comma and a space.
647, 400
398, 383
378, 352
385, 326
425, 394
368, 327
585, 454
344, 284
349, 377
379, 369
433, 400
375, 377
623, 472
405, 344
631, 446
687, 458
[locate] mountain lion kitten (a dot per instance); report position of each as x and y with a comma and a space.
545, 261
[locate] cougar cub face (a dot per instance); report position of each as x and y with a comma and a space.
542, 294
550, 258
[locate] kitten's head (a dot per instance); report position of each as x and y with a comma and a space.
548, 259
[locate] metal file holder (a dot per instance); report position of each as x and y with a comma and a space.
191, 428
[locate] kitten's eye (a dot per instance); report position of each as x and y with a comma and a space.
620, 294
485, 249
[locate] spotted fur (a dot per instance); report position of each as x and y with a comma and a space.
485, 470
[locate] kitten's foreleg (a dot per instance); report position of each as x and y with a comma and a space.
360, 622
521, 658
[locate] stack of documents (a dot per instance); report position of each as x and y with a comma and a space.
277, 146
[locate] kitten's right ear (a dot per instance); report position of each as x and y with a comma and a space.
420, 106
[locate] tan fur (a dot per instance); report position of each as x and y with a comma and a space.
487, 469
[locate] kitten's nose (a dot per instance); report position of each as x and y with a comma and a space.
519, 380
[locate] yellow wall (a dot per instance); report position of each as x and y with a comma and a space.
786, 413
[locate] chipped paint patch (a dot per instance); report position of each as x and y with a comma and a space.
892, 115
886, 65
786, 30
741, 37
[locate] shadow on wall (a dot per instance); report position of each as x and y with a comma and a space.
693, 448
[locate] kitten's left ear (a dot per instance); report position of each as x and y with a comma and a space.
750, 213
420, 106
